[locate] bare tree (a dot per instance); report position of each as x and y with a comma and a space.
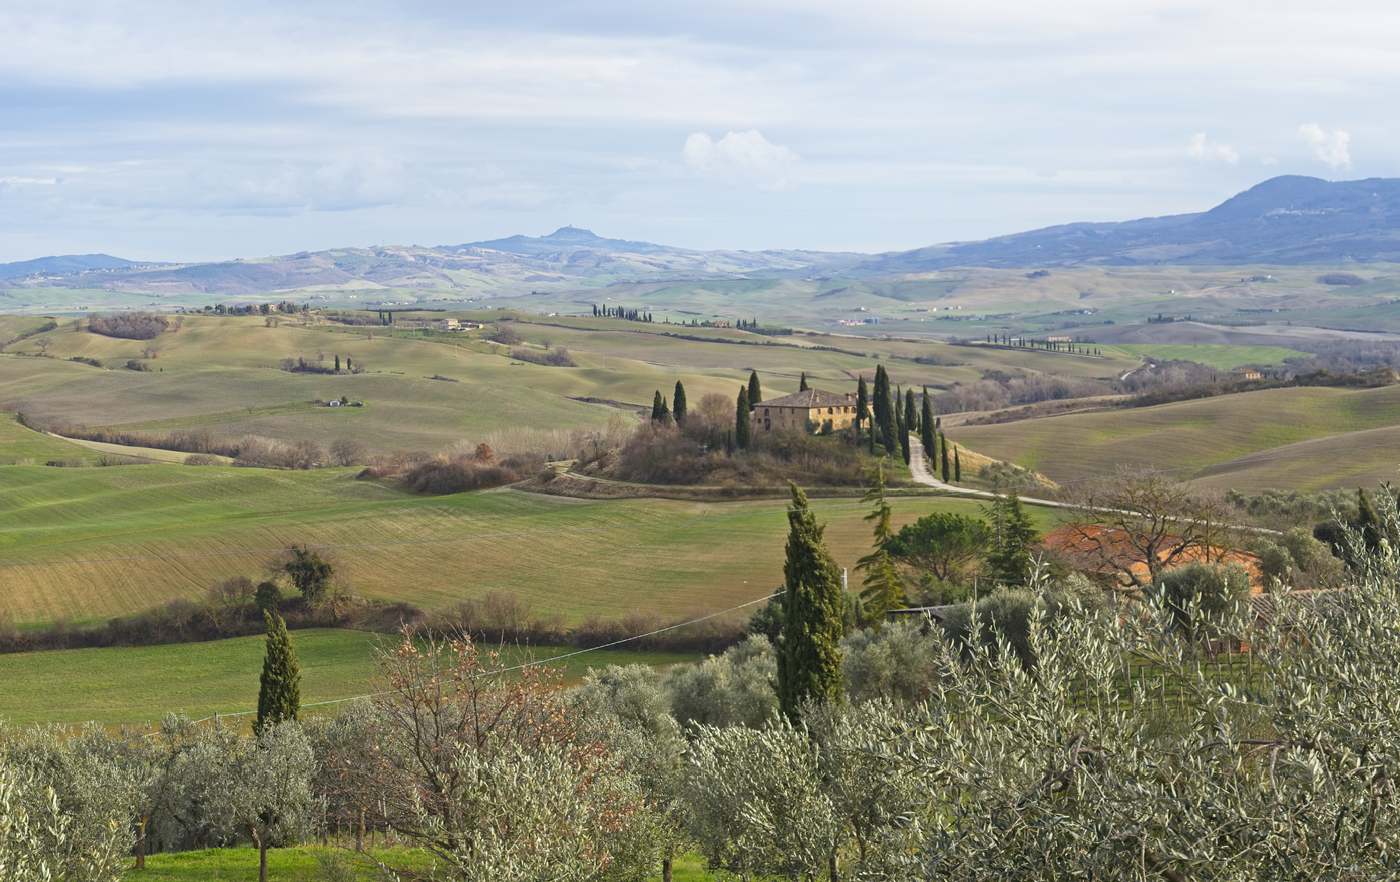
1139, 524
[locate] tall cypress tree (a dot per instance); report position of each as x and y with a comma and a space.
862, 405
755, 390
946, 472
882, 589
1368, 523
802, 383
1013, 536
884, 409
658, 407
957, 467
926, 428
741, 420
678, 407
911, 414
809, 642
279, 691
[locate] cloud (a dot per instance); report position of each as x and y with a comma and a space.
1332, 148
1203, 149
745, 157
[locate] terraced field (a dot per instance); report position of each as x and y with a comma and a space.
141, 684
86, 544
1287, 438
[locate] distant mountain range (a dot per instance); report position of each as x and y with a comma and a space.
1284, 220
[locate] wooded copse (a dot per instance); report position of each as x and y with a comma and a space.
939, 757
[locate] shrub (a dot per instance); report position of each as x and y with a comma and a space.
549, 357
129, 326
1348, 279
504, 334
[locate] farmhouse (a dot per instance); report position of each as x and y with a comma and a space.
441, 324
1250, 374
810, 410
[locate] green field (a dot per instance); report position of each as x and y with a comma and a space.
140, 684
302, 865
1221, 356
21, 446
87, 544
1270, 438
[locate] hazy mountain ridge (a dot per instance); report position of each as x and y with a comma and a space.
1284, 220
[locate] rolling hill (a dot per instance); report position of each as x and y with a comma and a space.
1294, 438
1284, 220
1287, 220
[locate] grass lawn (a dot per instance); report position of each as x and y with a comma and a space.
1223, 356
141, 684
21, 446
302, 865
86, 544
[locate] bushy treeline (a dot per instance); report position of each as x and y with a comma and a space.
997, 390
697, 454
129, 325
456, 471
553, 357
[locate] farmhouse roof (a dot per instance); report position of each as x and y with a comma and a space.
809, 398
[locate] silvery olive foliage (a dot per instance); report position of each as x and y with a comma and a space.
627, 709
269, 798
757, 801
898, 661
44, 840
735, 688
497, 776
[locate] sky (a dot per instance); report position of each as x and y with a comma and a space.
200, 131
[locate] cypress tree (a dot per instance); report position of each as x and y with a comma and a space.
349, 365
741, 420
802, 383
1368, 523
809, 641
678, 404
1013, 535
755, 390
926, 428
337, 364
279, 691
946, 472
658, 407
884, 409
882, 590
957, 467
911, 414
862, 406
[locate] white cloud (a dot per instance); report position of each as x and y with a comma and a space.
746, 157
1332, 148
1203, 149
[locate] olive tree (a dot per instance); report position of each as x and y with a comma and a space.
626, 708
757, 803
270, 797
489, 773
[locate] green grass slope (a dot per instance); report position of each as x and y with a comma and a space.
86, 544
1189, 438
141, 684
1222, 356
22, 446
